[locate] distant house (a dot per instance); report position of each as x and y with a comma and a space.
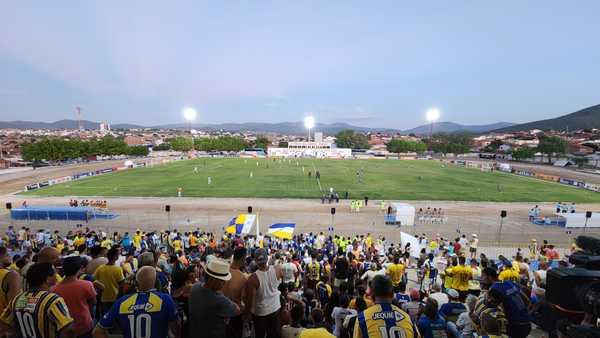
4, 163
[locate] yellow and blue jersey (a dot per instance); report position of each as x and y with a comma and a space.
142, 314
37, 313
384, 320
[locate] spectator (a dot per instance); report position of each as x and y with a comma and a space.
440, 297
111, 277
209, 309
339, 314
451, 310
234, 289
295, 328
431, 324
263, 297
146, 313
79, 295
388, 316
514, 303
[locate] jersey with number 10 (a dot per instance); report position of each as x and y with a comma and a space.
37, 314
142, 315
383, 320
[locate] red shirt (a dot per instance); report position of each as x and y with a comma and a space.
77, 295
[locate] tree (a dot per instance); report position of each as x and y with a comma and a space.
182, 144
551, 145
162, 146
493, 146
138, 151
404, 146
580, 161
455, 143
349, 139
261, 142
222, 143
523, 153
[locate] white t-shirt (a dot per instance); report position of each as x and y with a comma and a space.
289, 269
339, 314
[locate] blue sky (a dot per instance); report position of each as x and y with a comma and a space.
378, 64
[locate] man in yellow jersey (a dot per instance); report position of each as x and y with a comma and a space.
313, 272
137, 240
395, 271
383, 320
10, 281
38, 312
461, 277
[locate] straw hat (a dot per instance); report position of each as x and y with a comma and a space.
219, 269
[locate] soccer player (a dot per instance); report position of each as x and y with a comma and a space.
383, 319
146, 313
38, 312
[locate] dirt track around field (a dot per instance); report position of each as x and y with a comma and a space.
212, 214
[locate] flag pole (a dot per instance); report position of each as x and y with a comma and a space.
257, 225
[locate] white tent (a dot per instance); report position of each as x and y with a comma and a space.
404, 212
577, 220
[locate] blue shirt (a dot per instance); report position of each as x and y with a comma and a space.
432, 328
402, 298
452, 309
142, 314
514, 306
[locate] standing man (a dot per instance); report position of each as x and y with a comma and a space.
263, 297
79, 295
234, 289
38, 312
366, 201
514, 302
9, 280
383, 319
111, 276
209, 309
146, 313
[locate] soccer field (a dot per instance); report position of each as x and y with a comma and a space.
380, 179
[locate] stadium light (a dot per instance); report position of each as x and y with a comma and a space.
190, 114
309, 123
432, 115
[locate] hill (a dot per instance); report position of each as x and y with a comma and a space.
259, 127
586, 118
61, 124
451, 127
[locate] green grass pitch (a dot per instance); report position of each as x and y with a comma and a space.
382, 179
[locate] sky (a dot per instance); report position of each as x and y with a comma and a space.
367, 63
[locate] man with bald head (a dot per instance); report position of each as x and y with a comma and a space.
146, 313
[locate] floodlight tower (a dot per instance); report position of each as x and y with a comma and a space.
309, 123
79, 121
432, 115
190, 114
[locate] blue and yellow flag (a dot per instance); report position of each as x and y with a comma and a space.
242, 224
282, 230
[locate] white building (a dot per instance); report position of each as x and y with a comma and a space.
104, 127
310, 149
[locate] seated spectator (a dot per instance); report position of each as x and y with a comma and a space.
440, 297
431, 324
319, 328
414, 306
451, 310
490, 326
295, 328
464, 325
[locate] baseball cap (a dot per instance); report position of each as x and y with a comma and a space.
261, 256
452, 293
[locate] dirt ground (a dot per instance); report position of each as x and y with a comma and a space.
15, 181
212, 214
